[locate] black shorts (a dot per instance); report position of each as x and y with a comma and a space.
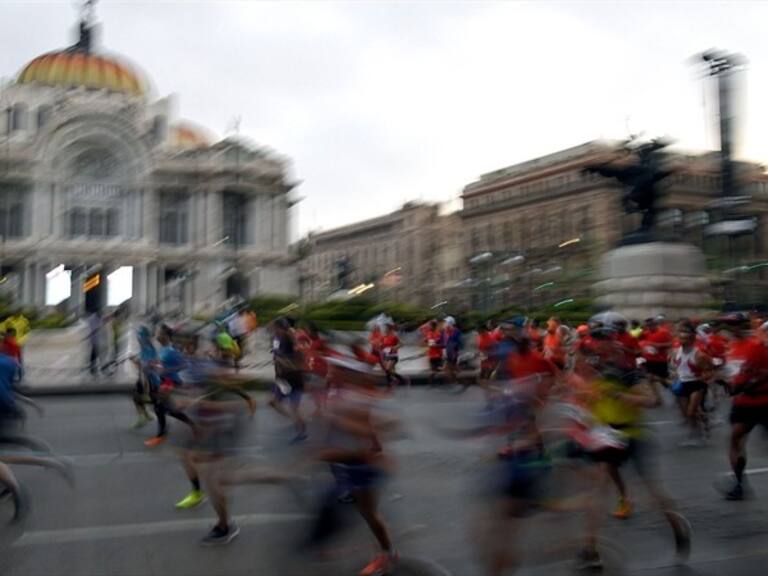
658, 369
686, 389
639, 451
435, 364
750, 416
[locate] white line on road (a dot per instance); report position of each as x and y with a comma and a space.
94, 533
137, 457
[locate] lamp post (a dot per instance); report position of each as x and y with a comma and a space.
728, 223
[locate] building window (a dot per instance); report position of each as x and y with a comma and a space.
235, 218
19, 117
508, 235
96, 222
43, 116
11, 214
77, 222
113, 222
174, 218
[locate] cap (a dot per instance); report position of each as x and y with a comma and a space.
515, 321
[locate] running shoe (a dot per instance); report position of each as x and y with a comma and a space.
623, 510
219, 536
141, 421
191, 500
380, 565
588, 560
736, 493
682, 530
154, 441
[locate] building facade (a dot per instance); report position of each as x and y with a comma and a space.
396, 253
96, 177
533, 232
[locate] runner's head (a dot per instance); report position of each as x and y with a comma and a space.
736, 324
552, 325
513, 329
686, 333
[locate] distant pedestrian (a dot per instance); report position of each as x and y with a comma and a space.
95, 325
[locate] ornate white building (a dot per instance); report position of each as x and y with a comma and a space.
96, 177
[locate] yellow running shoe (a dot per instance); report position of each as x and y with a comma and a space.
623, 510
191, 500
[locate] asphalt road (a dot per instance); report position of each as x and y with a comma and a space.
119, 519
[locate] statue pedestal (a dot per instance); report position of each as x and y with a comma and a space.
643, 280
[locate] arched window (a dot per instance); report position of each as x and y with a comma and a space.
19, 118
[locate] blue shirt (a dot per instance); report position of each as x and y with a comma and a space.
8, 369
173, 363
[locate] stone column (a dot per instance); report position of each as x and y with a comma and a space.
151, 285
139, 298
161, 304
58, 213
213, 217
150, 216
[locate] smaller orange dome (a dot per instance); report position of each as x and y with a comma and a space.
185, 136
74, 68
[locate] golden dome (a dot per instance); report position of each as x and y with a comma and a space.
185, 136
75, 68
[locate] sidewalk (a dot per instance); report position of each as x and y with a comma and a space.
56, 364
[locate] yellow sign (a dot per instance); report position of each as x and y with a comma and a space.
92, 282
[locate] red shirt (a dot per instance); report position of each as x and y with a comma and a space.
315, 359
630, 347
656, 345
529, 364
716, 346
485, 342
747, 366
434, 340
389, 341
374, 339
12, 347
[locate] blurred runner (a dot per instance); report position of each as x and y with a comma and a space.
289, 382
656, 342
435, 341
169, 365
690, 364
553, 345
390, 347
747, 372
453, 345
147, 376
354, 450
617, 401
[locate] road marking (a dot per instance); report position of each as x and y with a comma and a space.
96, 533
749, 472
137, 457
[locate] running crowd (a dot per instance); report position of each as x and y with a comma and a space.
552, 394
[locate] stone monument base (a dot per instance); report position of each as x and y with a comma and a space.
644, 280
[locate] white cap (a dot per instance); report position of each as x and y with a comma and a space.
450, 320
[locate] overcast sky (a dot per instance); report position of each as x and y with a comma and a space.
382, 102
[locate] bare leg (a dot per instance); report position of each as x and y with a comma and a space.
216, 492
367, 504
615, 474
